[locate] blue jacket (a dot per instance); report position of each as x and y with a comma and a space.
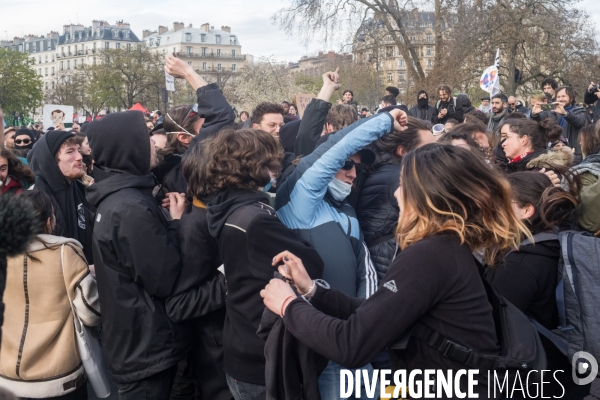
304, 205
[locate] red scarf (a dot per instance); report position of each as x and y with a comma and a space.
519, 158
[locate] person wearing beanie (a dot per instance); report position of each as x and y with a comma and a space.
57, 164
422, 110
137, 258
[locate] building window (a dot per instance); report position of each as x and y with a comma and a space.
39, 71
68, 64
94, 61
46, 71
401, 63
115, 33
189, 63
126, 34
232, 53
158, 41
428, 50
188, 37
67, 36
94, 47
218, 66
52, 71
430, 63
204, 66
401, 76
217, 39
46, 85
46, 60
218, 52
234, 67
189, 51
390, 78
203, 37
52, 57
61, 66
412, 38
107, 45
389, 51
151, 42
75, 63
429, 38
203, 51
52, 84
128, 46
117, 45
39, 59
232, 40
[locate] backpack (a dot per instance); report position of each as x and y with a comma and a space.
577, 294
521, 349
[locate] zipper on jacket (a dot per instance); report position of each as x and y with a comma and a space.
25, 325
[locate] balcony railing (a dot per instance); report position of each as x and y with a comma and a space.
222, 56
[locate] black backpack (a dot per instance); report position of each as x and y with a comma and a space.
521, 350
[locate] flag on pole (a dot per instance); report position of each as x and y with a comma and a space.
490, 79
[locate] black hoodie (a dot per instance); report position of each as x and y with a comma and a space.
249, 235
422, 110
136, 252
74, 219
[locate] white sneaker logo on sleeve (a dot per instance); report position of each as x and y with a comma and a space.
391, 285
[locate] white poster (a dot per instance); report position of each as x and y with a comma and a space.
58, 116
169, 82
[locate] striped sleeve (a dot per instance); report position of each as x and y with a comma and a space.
367, 276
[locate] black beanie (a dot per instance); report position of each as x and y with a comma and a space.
55, 139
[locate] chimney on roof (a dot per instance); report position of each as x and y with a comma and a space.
146, 33
178, 26
190, 26
53, 34
162, 29
226, 29
205, 27
30, 37
18, 40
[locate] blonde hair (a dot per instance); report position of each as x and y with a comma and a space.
447, 190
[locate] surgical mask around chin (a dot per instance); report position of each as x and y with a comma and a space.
270, 184
339, 190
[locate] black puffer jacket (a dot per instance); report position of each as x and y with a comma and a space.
378, 215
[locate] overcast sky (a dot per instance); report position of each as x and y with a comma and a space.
248, 19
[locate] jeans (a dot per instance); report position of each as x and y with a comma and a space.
329, 383
246, 391
155, 387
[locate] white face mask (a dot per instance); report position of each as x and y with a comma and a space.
339, 190
268, 185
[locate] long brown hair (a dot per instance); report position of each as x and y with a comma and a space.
16, 168
409, 139
553, 205
447, 190
589, 136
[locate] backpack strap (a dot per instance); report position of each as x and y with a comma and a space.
560, 343
453, 350
540, 237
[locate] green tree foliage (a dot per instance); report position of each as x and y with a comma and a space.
20, 85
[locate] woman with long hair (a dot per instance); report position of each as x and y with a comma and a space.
451, 205
39, 354
14, 175
528, 276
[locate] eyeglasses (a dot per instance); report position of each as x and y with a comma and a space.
349, 164
512, 104
24, 141
438, 129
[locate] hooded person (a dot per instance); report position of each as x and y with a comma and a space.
57, 164
24, 140
137, 258
465, 103
422, 110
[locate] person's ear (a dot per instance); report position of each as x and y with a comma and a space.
255, 126
529, 210
184, 138
400, 151
49, 225
329, 127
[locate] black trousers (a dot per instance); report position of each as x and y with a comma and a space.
155, 387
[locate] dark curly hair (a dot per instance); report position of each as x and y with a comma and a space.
232, 159
265, 108
16, 168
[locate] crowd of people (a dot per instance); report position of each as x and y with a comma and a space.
255, 258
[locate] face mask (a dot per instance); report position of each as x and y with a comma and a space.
268, 185
338, 189
423, 101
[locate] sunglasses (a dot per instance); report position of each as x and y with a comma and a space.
438, 129
349, 164
24, 141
